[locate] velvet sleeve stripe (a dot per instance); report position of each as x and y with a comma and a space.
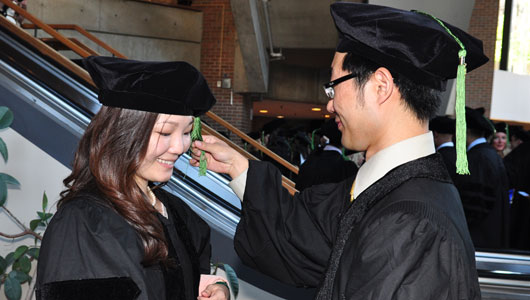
116, 288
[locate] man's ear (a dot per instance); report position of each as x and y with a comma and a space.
384, 84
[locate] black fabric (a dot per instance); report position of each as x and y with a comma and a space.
87, 240
409, 43
324, 167
484, 196
409, 239
475, 119
90, 289
162, 87
517, 165
449, 157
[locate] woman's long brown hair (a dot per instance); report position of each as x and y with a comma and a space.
109, 154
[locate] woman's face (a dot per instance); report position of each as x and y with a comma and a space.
499, 141
169, 139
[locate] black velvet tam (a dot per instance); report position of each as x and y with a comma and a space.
500, 127
442, 124
476, 120
410, 43
163, 87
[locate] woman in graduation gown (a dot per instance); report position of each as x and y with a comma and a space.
115, 234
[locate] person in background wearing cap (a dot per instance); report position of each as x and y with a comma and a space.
500, 138
327, 164
116, 235
484, 192
443, 130
397, 230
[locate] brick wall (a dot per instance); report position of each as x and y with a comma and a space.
483, 26
218, 46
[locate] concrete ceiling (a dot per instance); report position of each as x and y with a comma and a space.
304, 33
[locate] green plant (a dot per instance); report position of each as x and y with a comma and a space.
16, 266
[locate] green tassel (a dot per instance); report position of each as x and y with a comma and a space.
313, 139
197, 136
344, 156
460, 106
460, 109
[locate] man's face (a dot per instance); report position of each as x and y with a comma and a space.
353, 110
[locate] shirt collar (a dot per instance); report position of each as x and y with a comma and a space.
390, 157
446, 144
332, 148
476, 142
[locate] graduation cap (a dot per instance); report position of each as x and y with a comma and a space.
501, 127
442, 124
331, 131
477, 121
419, 46
518, 132
174, 87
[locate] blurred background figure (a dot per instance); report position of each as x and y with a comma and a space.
500, 138
443, 129
484, 192
326, 164
517, 164
11, 15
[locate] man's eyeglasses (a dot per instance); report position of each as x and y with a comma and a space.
328, 87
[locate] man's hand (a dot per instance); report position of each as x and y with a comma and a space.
215, 292
220, 157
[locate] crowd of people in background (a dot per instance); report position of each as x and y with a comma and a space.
495, 195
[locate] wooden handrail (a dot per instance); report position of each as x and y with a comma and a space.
80, 51
54, 43
48, 51
251, 141
81, 31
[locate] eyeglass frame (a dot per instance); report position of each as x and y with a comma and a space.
328, 87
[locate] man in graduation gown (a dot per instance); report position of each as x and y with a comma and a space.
326, 164
397, 230
443, 129
484, 192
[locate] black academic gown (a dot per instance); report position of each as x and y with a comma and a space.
405, 237
449, 157
517, 165
324, 167
91, 252
484, 196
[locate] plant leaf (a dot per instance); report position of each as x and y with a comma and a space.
6, 117
34, 252
21, 277
47, 216
41, 215
44, 201
9, 258
33, 224
232, 279
3, 265
12, 288
19, 252
3, 149
24, 264
8, 179
3, 193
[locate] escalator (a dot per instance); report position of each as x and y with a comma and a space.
53, 106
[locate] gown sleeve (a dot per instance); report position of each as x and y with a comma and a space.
89, 252
288, 238
400, 255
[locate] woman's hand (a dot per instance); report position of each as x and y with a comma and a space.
215, 292
220, 157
